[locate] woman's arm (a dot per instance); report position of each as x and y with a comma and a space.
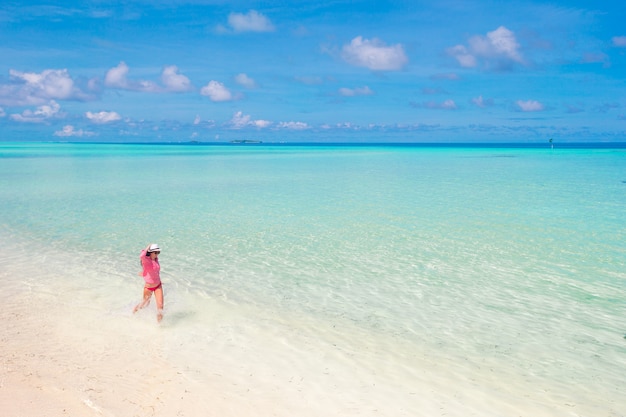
142, 256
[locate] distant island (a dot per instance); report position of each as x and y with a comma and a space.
246, 141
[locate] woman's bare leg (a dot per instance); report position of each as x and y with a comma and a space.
146, 300
158, 295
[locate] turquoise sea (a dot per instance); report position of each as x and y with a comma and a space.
339, 279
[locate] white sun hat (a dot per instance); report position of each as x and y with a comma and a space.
154, 248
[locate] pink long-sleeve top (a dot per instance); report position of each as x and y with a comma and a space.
151, 269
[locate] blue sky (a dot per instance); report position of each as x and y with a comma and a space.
337, 70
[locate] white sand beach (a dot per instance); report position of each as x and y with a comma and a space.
52, 369
66, 352
57, 366
58, 361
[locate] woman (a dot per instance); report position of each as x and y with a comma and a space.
151, 274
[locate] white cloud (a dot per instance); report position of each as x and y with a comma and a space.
241, 120
2, 112
216, 91
342, 125
261, 123
293, 125
498, 47
529, 105
41, 114
463, 56
30, 88
53, 84
116, 77
481, 102
374, 54
252, 21
359, 91
245, 81
500, 42
103, 117
173, 81
619, 41
448, 104
207, 124
68, 130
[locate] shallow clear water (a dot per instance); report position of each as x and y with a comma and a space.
497, 269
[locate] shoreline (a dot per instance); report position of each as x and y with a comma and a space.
50, 371
120, 366
75, 350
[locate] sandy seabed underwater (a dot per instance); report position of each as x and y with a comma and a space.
315, 280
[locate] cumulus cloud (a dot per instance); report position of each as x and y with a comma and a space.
498, 48
359, 91
293, 125
197, 121
500, 42
463, 56
245, 81
448, 104
31, 88
529, 105
374, 54
40, 114
55, 84
68, 130
241, 120
103, 117
116, 76
173, 81
481, 102
261, 123
252, 21
216, 91
619, 41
